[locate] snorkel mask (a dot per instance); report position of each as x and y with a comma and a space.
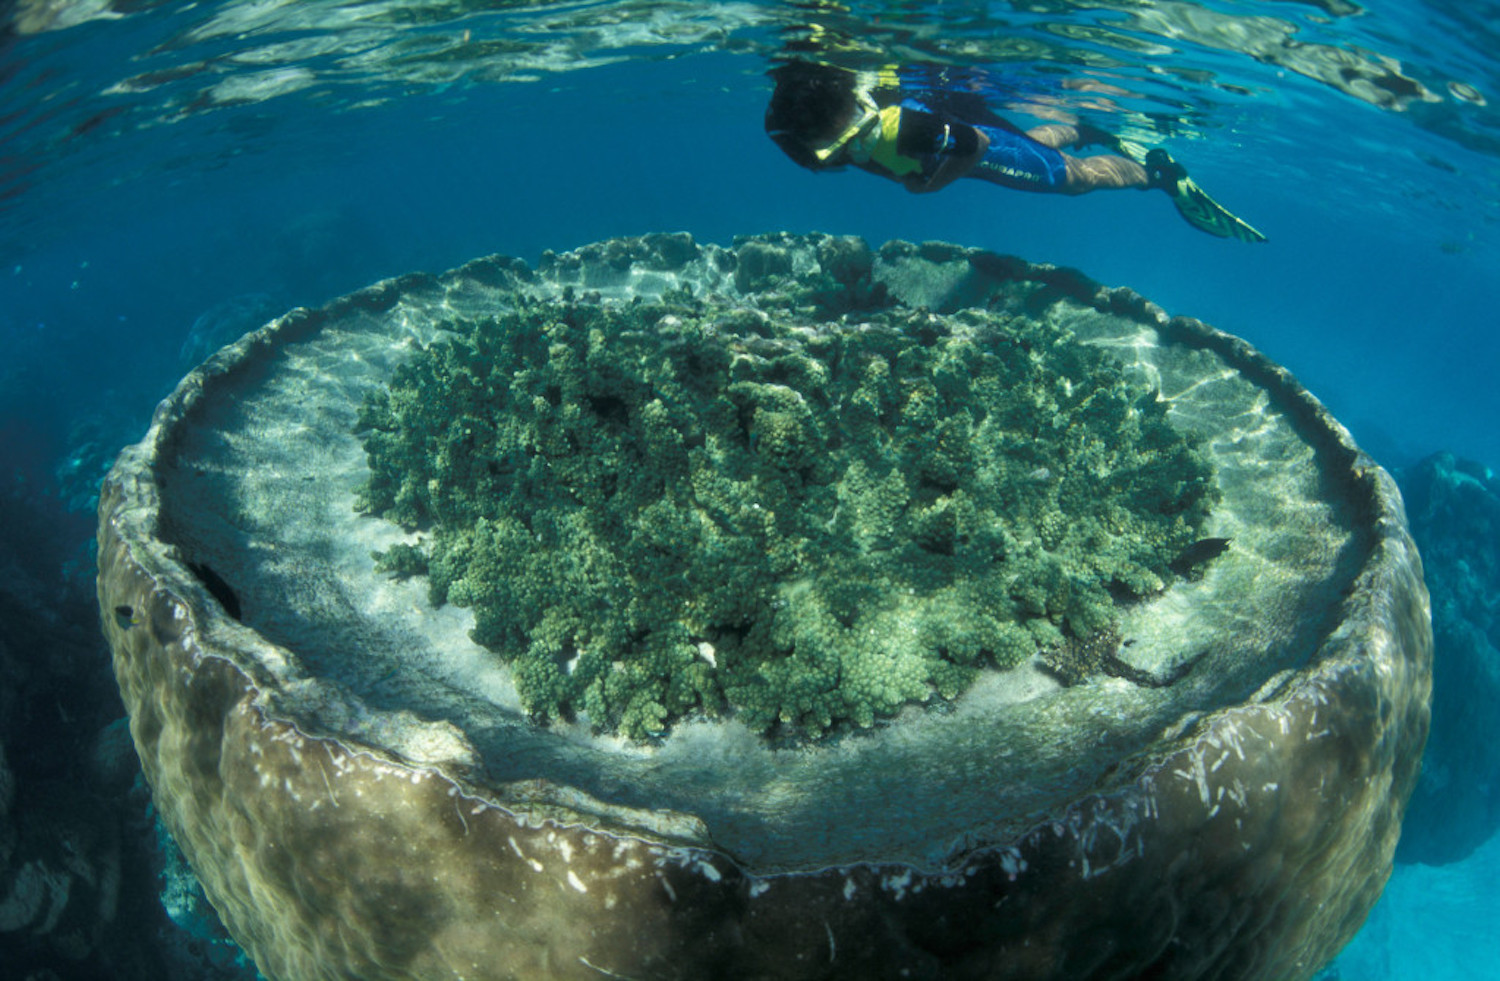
863, 131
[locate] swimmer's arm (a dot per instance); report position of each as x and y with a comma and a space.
956, 145
954, 166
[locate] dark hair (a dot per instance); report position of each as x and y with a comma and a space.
810, 104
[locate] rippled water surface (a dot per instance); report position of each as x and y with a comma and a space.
162, 159
172, 174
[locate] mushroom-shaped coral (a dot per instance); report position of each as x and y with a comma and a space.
712, 505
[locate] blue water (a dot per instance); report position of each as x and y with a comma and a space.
172, 174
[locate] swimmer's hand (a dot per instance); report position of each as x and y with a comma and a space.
951, 169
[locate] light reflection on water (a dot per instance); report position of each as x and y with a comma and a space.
113, 110
1185, 59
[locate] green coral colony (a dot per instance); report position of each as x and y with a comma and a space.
805, 512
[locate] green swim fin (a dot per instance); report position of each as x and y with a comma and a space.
1193, 203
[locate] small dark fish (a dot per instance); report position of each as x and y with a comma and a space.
1198, 554
126, 617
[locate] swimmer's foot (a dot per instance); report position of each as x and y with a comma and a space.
1193, 203
1162, 171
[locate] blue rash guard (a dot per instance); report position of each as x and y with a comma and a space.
1013, 158
1016, 160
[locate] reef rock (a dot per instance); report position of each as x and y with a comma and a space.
1454, 508
1179, 750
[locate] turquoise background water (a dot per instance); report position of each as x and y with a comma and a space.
174, 174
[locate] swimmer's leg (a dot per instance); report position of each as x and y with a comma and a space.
1103, 172
1060, 135
1026, 162
1092, 173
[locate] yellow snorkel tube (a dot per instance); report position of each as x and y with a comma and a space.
860, 136
871, 124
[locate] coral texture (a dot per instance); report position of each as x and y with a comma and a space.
659, 509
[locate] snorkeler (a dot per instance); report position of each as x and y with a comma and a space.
826, 117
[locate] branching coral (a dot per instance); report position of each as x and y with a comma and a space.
661, 509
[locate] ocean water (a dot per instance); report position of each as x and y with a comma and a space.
173, 174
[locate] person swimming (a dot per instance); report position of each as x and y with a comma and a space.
926, 137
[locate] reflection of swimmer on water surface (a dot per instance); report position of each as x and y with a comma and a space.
887, 123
